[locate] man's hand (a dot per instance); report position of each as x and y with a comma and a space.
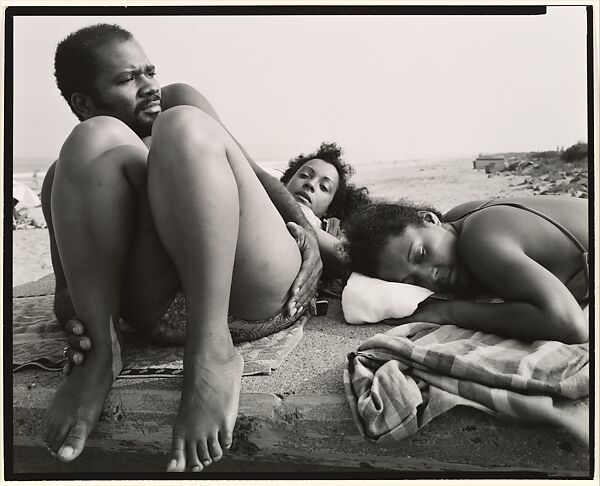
78, 342
304, 287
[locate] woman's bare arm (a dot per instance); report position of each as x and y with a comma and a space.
334, 259
537, 304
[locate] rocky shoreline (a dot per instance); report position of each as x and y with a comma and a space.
553, 173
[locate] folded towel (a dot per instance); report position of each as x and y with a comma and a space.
400, 380
370, 300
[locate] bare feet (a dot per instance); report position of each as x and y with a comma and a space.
78, 402
76, 407
208, 409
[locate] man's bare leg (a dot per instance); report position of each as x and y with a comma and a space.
207, 205
95, 210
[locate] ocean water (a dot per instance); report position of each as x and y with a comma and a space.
31, 171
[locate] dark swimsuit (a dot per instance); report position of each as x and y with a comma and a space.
571, 236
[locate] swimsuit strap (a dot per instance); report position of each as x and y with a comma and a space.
570, 235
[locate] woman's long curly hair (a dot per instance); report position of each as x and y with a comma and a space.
369, 229
348, 198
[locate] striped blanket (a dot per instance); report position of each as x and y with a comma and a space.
400, 380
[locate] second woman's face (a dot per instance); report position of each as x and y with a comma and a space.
426, 256
314, 185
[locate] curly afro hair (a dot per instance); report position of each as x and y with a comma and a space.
368, 231
348, 198
75, 62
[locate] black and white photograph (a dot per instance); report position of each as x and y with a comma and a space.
287, 242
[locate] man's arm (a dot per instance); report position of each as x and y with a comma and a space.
304, 286
63, 307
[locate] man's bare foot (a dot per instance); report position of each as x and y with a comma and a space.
76, 407
207, 413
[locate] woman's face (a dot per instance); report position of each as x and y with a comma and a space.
426, 256
314, 185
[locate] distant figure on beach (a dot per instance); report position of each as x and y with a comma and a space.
189, 223
532, 252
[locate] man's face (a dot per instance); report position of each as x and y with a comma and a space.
126, 87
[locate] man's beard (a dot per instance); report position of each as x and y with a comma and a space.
139, 122
142, 125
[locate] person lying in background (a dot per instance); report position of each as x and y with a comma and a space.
532, 252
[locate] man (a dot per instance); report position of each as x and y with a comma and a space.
118, 248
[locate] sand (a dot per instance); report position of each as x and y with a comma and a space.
442, 183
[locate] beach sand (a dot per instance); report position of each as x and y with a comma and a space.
442, 183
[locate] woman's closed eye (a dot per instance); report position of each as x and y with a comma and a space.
420, 254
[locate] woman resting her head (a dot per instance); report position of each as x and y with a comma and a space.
529, 251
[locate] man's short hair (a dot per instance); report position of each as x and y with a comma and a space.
75, 61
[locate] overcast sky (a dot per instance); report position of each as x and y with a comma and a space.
382, 87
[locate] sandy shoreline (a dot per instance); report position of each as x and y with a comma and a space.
440, 183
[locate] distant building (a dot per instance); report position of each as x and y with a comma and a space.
495, 161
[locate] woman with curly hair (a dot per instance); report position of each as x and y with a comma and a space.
529, 251
340, 202
320, 183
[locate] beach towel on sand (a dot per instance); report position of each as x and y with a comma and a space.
400, 380
38, 340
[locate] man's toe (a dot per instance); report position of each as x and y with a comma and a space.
177, 462
74, 442
192, 461
225, 439
215, 448
204, 453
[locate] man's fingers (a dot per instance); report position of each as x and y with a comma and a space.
80, 343
73, 326
74, 356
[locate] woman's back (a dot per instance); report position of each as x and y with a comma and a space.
551, 230
567, 212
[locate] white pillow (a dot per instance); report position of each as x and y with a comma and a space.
369, 300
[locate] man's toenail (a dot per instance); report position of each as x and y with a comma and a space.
83, 344
206, 462
66, 451
216, 458
196, 469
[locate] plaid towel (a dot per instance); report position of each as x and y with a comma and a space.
400, 380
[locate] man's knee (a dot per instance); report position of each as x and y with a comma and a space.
187, 129
102, 133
